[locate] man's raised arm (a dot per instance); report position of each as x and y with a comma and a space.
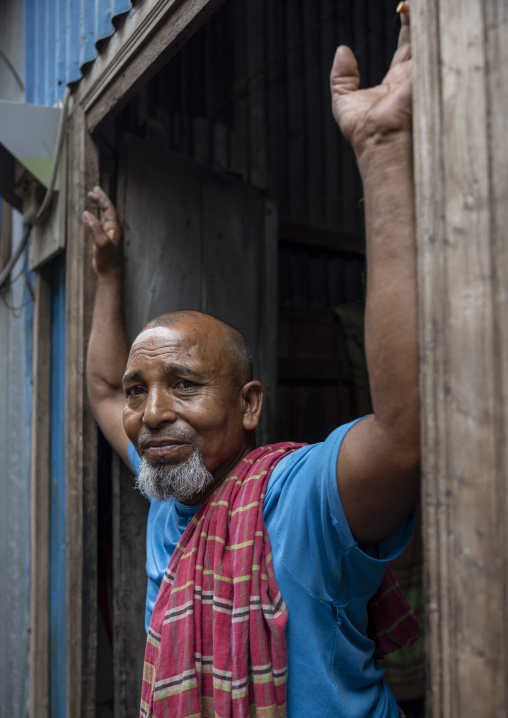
378, 465
108, 347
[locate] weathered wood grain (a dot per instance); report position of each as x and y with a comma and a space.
39, 503
496, 24
81, 436
461, 93
130, 511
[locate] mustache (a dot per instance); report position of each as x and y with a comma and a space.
172, 434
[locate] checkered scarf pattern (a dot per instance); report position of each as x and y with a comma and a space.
216, 646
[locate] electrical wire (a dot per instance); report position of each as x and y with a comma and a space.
13, 71
38, 216
6, 271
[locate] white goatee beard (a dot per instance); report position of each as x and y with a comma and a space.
174, 481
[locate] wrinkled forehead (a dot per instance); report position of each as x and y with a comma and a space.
187, 341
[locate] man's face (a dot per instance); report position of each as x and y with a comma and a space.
179, 396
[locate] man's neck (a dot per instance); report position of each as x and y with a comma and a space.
224, 473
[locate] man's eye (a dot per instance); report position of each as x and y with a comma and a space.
134, 391
186, 384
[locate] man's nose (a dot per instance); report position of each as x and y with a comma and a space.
159, 407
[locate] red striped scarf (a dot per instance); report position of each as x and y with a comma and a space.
219, 616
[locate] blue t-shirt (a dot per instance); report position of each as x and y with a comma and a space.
326, 581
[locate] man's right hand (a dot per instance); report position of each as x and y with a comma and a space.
106, 233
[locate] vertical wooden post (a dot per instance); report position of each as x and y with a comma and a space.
81, 450
460, 55
39, 503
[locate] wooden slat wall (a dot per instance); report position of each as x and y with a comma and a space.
461, 109
249, 94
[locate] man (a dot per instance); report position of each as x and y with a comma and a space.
333, 513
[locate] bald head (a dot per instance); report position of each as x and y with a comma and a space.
236, 347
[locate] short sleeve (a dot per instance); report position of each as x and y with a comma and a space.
314, 541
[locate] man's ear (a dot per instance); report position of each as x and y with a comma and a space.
252, 403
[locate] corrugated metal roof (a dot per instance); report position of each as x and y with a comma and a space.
60, 37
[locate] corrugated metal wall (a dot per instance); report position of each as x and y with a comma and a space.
249, 94
61, 37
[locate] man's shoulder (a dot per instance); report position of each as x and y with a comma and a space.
318, 455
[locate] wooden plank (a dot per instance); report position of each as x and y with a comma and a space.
134, 54
39, 502
130, 510
461, 92
428, 138
159, 192
496, 19
432, 287
472, 354
239, 231
81, 437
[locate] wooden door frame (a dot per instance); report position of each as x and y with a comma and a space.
143, 42
460, 60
